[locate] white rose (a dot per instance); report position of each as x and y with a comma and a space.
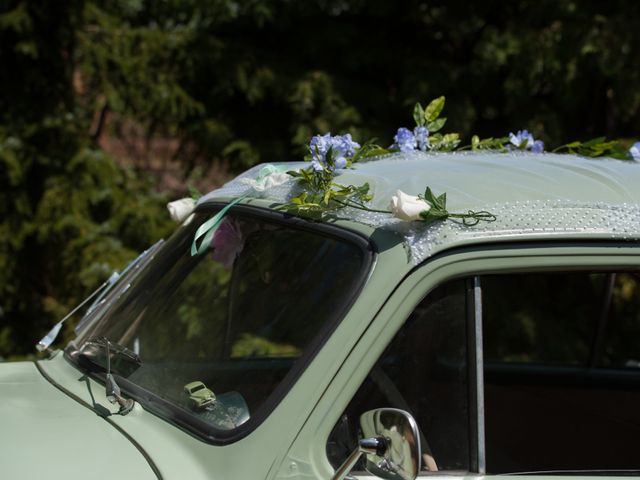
181, 209
408, 207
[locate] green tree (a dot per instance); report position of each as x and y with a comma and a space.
68, 214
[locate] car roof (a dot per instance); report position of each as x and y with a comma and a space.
473, 180
534, 196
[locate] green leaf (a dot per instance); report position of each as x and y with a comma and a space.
433, 215
194, 192
363, 189
450, 141
300, 199
418, 115
369, 149
569, 146
430, 197
475, 141
433, 109
436, 125
328, 157
374, 152
593, 142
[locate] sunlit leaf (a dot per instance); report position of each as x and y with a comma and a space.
418, 115
433, 109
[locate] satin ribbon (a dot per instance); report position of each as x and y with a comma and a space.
208, 229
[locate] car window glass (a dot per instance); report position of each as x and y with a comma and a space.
619, 346
549, 406
238, 318
423, 371
541, 318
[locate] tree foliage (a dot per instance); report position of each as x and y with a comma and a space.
69, 215
235, 83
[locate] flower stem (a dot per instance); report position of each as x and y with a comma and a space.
359, 206
473, 218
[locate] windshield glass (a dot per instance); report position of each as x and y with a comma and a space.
240, 316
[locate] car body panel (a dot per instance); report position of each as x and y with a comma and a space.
43, 428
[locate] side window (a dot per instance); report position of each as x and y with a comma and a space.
424, 370
619, 345
562, 371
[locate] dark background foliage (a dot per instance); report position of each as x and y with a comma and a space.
108, 109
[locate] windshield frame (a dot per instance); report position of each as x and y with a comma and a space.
190, 423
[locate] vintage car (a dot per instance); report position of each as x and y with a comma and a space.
199, 396
355, 343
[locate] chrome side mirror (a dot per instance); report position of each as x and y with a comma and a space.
391, 445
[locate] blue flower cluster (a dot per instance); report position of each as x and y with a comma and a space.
407, 141
524, 137
634, 151
342, 148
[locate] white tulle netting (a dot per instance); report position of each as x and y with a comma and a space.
531, 196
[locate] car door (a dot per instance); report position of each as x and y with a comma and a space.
512, 360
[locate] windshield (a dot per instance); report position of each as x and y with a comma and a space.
240, 316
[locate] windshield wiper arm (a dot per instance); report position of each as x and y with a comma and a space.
116, 349
100, 352
121, 352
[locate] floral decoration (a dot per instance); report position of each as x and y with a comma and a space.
523, 140
228, 242
328, 154
408, 207
428, 208
180, 209
340, 148
405, 140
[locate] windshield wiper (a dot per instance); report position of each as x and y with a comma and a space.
122, 357
125, 361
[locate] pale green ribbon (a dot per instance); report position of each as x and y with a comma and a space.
208, 229
268, 170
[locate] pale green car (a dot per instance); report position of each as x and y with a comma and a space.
359, 345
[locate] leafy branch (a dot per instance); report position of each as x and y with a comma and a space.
321, 194
429, 117
597, 147
329, 154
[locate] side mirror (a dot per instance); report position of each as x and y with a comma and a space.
391, 445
